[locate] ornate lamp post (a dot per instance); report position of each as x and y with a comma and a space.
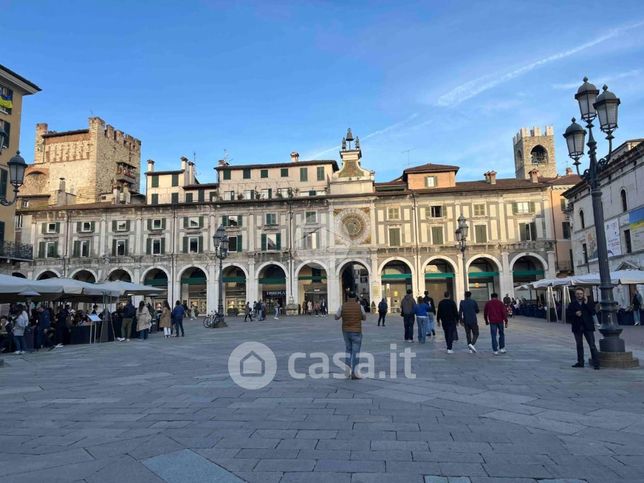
220, 240
17, 168
612, 347
461, 238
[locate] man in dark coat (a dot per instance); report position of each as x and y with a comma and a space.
407, 308
447, 316
467, 311
580, 314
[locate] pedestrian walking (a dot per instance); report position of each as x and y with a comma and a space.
467, 310
421, 310
580, 314
44, 324
382, 311
431, 315
178, 313
277, 310
129, 312
165, 321
352, 314
407, 307
496, 317
248, 312
637, 306
447, 316
19, 328
143, 320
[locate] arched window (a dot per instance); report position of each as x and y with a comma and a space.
624, 201
539, 155
581, 219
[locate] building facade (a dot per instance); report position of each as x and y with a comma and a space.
623, 202
13, 88
308, 230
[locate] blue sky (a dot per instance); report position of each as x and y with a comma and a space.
442, 82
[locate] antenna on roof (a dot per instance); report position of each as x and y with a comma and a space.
408, 151
227, 159
194, 157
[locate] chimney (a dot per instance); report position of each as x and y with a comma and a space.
191, 172
184, 164
150, 165
61, 185
568, 171
295, 157
486, 175
534, 175
491, 177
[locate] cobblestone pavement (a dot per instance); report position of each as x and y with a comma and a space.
167, 410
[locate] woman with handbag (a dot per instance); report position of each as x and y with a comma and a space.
143, 320
165, 320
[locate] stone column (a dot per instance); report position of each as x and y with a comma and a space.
251, 282
551, 271
333, 287
506, 280
212, 286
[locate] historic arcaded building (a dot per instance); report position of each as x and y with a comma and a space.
311, 229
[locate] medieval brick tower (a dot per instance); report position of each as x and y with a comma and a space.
534, 149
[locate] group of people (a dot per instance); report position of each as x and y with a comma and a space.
259, 310
308, 307
170, 319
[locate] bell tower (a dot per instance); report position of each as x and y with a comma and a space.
534, 148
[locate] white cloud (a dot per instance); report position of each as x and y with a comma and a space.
477, 86
602, 80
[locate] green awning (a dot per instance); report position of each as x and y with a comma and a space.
235, 279
272, 281
193, 281
318, 278
526, 273
396, 276
482, 274
156, 282
438, 275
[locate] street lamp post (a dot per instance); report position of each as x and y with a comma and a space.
220, 240
612, 347
461, 238
17, 168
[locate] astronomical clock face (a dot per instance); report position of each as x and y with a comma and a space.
352, 226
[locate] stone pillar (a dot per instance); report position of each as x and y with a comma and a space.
212, 286
551, 271
459, 283
251, 282
506, 279
333, 288
375, 282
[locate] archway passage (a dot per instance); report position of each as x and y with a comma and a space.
47, 274
272, 287
312, 287
119, 275
526, 269
157, 278
539, 155
354, 277
439, 278
483, 279
194, 289
18, 274
234, 290
396, 280
84, 276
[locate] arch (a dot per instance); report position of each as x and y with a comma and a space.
261, 267
529, 254
18, 274
539, 154
84, 275
396, 259
189, 267
149, 270
272, 289
236, 265
310, 262
342, 265
442, 258
483, 282
624, 199
436, 283
193, 287
118, 274
395, 285
312, 286
483, 255
45, 274
582, 219
235, 283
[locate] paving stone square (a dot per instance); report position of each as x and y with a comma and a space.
167, 410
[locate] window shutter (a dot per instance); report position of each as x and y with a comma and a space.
162, 246
278, 240
239, 220
224, 220
263, 242
201, 222
148, 246
93, 226
113, 225
515, 209
56, 249
127, 225
125, 251
200, 244
79, 225
201, 196
41, 250
3, 182
163, 223
185, 222
532, 207
113, 248
44, 228
185, 244
149, 225
76, 251
57, 227
239, 243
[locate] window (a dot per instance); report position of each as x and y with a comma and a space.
627, 241
6, 127
51, 249
154, 181
267, 194
436, 211
249, 195
584, 252
430, 181
394, 237
320, 173
51, 228
263, 173
17, 222
193, 222
156, 246
121, 225
119, 248
311, 217
226, 174
311, 241
81, 249
564, 204
232, 221
522, 207
528, 231
624, 200
393, 213
213, 196
235, 243
229, 195
156, 224
175, 179
246, 173
85, 226
479, 209
582, 221
270, 219
154, 199
3, 182
565, 226
437, 235
189, 197
284, 172
174, 198
6, 100
480, 233
284, 192
25, 203
313, 193
304, 174
194, 244
271, 241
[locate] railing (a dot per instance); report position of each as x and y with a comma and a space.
16, 251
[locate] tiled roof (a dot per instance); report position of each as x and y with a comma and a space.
18, 76
200, 186
176, 171
431, 168
290, 164
571, 179
53, 134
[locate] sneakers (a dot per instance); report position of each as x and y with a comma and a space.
450, 351
496, 353
127, 340
120, 339
502, 351
472, 348
355, 377
578, 365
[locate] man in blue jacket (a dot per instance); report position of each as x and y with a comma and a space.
129, 312
580, 313
178, 313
